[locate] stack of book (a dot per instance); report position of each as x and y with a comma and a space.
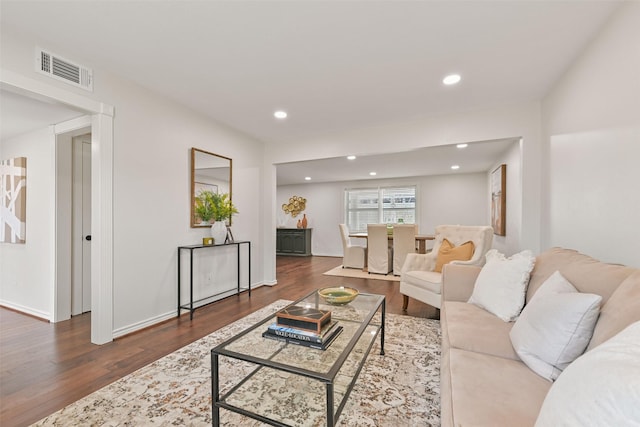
304, 326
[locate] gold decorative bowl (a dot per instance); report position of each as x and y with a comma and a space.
338, 295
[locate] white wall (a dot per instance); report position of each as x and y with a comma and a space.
151, 186
26, 270
442, 199
592, 139
453, 199
324, 210
152, 193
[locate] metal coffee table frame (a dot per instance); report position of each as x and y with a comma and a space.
376, 303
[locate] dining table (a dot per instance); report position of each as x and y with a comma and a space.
421, 240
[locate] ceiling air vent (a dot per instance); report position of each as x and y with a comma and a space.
61, 69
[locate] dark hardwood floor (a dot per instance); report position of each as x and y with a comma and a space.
46, 366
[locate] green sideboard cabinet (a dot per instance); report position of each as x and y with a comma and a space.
293, 241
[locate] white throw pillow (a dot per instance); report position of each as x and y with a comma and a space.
502, 283
555, 327
601, 388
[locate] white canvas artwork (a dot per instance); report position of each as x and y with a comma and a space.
13, 203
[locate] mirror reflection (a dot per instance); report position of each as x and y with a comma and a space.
209, 172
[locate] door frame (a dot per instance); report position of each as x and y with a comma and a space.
101, 122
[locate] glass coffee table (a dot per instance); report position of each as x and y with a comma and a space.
284, 384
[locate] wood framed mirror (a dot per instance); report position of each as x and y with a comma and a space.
209, 171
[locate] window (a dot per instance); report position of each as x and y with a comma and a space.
379, 205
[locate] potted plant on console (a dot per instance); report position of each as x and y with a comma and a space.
216, 207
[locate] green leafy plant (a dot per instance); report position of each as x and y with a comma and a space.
210, 205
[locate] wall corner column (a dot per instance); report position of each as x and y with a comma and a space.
102, 230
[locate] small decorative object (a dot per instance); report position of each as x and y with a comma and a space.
217, 207
207, 241
296, 205
213, 206
338, 295
299, 225
219, 231
303, 317
304, 221
229, 238
319, 341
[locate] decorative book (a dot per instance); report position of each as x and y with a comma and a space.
305, 318
323, 346
302, 335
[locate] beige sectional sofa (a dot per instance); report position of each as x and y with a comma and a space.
483, 381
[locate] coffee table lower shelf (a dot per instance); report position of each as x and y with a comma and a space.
262, 391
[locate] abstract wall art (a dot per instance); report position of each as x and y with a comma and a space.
13, 200
498, 200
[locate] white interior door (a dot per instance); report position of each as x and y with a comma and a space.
81, 282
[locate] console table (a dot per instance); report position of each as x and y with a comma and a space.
193, 305
293, 241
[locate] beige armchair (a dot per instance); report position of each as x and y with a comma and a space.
380, 259
419, 280
404, 242
354, 256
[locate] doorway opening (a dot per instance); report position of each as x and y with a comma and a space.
100, 122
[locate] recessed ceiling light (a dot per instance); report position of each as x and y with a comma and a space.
372, 173
307, 178
451, 79
455, 167
351, 157
462, 145
280, 114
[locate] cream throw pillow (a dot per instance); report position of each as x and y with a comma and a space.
555, 327
448, 252
601, 388
502, 283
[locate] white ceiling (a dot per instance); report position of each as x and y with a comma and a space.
20, 114
477, 157
335, 66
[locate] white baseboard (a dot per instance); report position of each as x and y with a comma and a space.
266, 283
144, 324
160, 318
27, 310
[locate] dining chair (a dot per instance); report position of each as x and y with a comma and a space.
380, 255
354, 256
404, 242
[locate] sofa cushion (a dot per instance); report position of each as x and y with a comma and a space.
469, 327
493, 391
587, 274
459, 281
622, 309
429, 280
449, 252
600, 388
502, 284
555, 327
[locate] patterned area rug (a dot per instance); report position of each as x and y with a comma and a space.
361, 274
401, 388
